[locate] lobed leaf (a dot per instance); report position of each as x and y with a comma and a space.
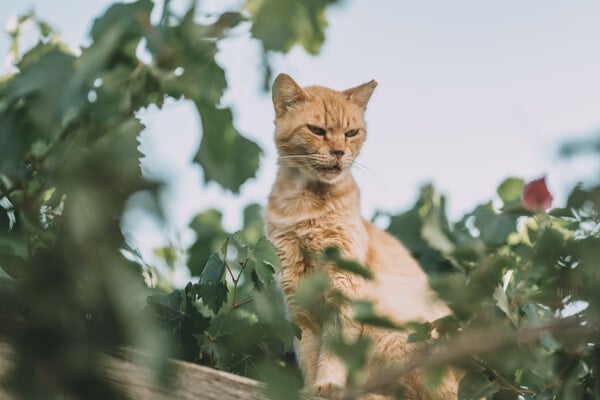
211, 288
226, 156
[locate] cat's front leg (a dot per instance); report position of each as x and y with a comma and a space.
331, 371
307, 353
331, 376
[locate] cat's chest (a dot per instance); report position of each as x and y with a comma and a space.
310, 236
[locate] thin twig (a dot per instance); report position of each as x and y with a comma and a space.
243, 303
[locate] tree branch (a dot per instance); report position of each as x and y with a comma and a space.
477, 342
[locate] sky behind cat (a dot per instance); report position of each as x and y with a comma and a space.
469, 92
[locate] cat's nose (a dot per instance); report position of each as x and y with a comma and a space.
337, 153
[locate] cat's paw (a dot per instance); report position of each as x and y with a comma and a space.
326, 389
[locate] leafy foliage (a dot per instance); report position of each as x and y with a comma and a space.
521, 280
215, 316
69, 162
521, 286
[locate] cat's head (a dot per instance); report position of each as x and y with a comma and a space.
319, 131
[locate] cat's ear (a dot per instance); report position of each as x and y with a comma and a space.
361, 93
286, 93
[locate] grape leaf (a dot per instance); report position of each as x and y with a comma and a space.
262, 259
209, 235
168, 308
266, 253
226, 156
212, 288
279, 24
125, 16
494, 227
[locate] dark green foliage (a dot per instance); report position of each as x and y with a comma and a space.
69, 161
235, 315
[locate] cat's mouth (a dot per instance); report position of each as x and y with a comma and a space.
330, 169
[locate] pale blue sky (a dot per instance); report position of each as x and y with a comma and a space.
470, 91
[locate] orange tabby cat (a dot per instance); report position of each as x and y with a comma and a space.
314, 204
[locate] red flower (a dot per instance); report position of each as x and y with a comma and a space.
536, 196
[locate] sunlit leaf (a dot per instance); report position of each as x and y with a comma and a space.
511, 189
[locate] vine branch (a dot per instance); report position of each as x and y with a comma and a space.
471, 344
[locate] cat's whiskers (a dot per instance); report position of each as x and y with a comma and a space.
303, 160
378, 179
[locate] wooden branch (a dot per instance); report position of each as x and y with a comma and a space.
125, 369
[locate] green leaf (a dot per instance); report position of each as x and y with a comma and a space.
46, 78
444, 325
271, 312
262, 259
354, 355
421, 331
434, 376
494, 227
176, 313
38, 51
168, 254
475, 386
212, 288
253, 223
122, 16
226, 156
310, 295
333, 254
266, 253
365, 314
210, 234
281, 383
407, 228
511, 189
279, 24
168, 308
549, 247
425, 231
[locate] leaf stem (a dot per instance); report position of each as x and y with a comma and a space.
236, 281
243, 303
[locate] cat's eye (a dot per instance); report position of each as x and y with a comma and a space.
351, 133
316, 130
